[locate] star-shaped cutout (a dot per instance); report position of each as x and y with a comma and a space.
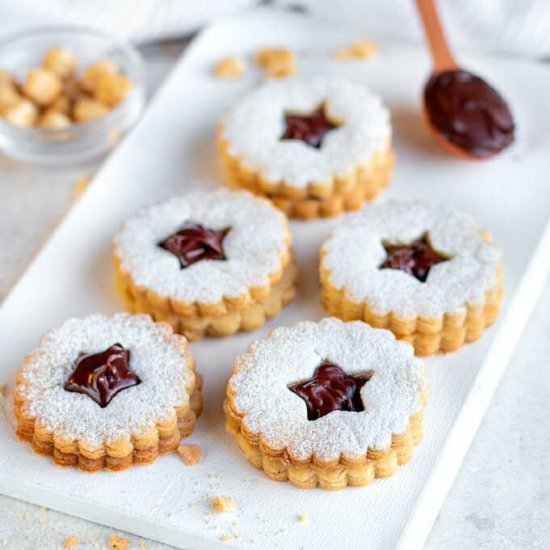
415, 258
102, 375
331, 389
311, 128
194, 242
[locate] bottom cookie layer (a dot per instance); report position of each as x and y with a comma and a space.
250, 317
345, 193
278, 466
444, 333
140, 450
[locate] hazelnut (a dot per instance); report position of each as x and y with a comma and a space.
111, 88
87, 109
229, 67
8, 95
54, 120
277, 62
24, 113
60, 61
92, 72
42, 86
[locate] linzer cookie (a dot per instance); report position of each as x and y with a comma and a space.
314, 147
208, 262
107, 392
426, 272
327, 404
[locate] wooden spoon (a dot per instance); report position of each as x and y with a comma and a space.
466, 115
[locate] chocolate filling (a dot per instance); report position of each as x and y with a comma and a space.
331, 389
102, 375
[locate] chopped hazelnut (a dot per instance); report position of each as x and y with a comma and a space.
87, 109
118, 542
24, 113
54, 120
42, 86
70, 542
8, 95
91, 74
277, 62
60, 61
223, 503
360, 49
229, 67
190, 454
112, 88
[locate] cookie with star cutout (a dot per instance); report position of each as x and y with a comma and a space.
107, 392
327, 404
314, 147
425, 271
209, 263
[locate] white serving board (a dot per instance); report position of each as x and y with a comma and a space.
172, 146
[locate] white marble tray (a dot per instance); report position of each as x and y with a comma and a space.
174, 145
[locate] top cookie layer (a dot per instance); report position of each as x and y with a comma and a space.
355, 251
158, 357
257, 239
254, 127
259, 389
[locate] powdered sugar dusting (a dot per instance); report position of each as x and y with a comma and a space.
254, 126
355, 251
290, 355
156, 357
253, 246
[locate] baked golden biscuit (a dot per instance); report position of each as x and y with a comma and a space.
208, 262
313, 147
425, 271
327, 404
107, 392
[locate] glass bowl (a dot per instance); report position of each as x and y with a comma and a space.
81, 141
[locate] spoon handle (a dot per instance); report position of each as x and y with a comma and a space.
441, 54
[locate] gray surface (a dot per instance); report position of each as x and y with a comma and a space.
501, 497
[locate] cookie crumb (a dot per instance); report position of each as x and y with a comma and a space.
229, 67
70, 541
190, 454
80, 185
223, 503
277, 62
225, 538
118, 542
360, 49
303, 517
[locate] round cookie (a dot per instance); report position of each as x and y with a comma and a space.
314, 147
425, 271
107, 392
327, 404
207, 262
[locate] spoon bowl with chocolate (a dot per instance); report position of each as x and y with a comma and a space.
465, 114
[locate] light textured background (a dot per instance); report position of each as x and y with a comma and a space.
501, 498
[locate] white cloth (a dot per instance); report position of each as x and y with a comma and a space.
517, 27
520, 27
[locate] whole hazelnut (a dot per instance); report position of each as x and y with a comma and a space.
111, 89
42, 86
87, 109
60, 61
94, 71
54, 120
24, 113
